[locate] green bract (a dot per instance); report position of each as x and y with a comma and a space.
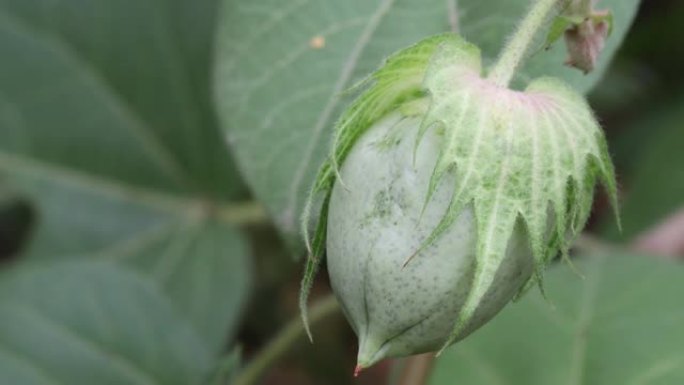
445, 193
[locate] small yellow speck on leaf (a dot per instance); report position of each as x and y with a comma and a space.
317, 42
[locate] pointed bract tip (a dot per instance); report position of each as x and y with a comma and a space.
305, 322
307, 329
409, 259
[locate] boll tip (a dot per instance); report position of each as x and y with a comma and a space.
357, 370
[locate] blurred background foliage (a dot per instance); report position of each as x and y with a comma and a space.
133, 252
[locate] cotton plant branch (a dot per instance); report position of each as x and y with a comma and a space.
290, 334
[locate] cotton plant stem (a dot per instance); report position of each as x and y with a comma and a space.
284, 340
586, 5
517, 47
417, 369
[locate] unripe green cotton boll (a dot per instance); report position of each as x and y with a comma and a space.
445, 193
376, 222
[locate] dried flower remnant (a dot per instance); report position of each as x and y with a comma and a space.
586, 40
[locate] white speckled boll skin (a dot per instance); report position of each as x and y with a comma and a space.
375, 224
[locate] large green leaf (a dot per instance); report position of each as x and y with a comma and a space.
90, 323
283, 65
622, 324
200, 260
107, 128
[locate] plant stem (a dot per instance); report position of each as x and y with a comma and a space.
285, 338
513, 53
417, 369
585, 6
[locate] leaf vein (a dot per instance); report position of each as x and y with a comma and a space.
289, 215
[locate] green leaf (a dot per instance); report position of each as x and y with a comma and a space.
122, 89
201, 262
203, 267
619, 325
282, 67
650, 154
93, 323
106, 127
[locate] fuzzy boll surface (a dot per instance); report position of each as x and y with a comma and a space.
376, 222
